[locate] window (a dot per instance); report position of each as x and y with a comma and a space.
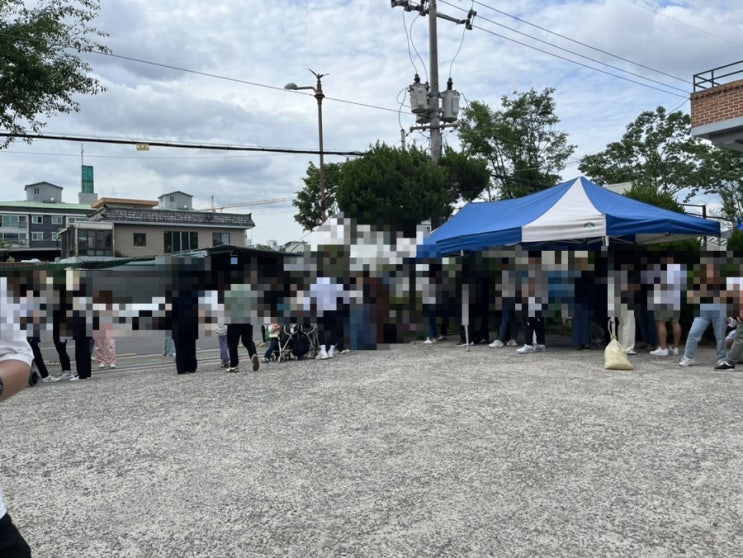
36, 190
94, 243
14, 221
37, 236
55, 237
177, 241
57, 220
140, 239
220, 239
37, 219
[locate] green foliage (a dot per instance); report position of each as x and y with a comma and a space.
725, 178
735, 242
524, 151
38, 73
656, 152
664, 200
308, 200
394, 188
466, 176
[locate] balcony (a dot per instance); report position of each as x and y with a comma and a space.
717, 106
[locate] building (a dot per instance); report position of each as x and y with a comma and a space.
136, 228
30, 228
717, 106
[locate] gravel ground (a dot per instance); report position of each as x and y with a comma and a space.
415, 450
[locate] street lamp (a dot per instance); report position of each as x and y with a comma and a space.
319, 96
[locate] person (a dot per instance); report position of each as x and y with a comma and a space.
224, 356
15, 368
536, 297
712, 312
169, 345
508, 329
584, 295
274, 331
103, 335
185, 329
645, 314
240, 303
81, 324
60, 341
667, 306
735, 353
328, 295
33, 342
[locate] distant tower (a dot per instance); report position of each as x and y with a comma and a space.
87, 195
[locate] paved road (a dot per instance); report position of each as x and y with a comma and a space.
411, 451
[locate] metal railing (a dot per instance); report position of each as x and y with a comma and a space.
718, 76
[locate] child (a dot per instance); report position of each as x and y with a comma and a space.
224, 356
274, 330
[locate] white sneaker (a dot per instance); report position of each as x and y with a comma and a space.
74, 378
512, 343
441, 338
659, 352
233, 369
631, 352
323, 355
673, 351
429, 341
331, 352
497, 344
540, 348
65, 375
686, 361
525, 349
101, 366
51, 378
112, 366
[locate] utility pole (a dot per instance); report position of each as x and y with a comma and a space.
424, 99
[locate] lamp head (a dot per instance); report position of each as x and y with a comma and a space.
291, 85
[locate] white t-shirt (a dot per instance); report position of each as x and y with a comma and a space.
13, 344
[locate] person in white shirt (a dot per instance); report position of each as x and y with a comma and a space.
15, 369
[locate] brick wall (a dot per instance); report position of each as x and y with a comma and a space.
717, 104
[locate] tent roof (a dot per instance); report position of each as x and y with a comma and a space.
576, 213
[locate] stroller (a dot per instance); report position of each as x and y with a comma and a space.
299, 341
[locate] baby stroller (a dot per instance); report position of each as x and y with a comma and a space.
304, 341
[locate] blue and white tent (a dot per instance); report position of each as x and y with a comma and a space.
578, 214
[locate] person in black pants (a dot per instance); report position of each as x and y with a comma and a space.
235, 334
185, 327
39, 360
82, 336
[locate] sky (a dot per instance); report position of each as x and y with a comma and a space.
214, 73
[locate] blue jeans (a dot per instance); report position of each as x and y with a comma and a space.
709, 314
509, 325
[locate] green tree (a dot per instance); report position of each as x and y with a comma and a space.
725, 178
524, 150
308, 200
40, 70
467, 176
393, 187
657, 152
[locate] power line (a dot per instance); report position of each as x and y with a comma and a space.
640, 65
181, 145
575, 54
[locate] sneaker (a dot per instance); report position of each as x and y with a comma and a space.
525, 349
659, 352
331, 351
256, 362
497, 344
322, 355
101, 366
631, 352
464, 344
74, 378
512, 343
673, 351
112, 366
65, 375
540, 348
429, 341
51, 378
441, 338
233, 369
724, 365
686, 361
345, 351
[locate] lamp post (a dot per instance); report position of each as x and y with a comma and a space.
319, 96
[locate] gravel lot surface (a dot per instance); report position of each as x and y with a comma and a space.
415, 450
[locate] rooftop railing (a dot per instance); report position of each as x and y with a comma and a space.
718, 76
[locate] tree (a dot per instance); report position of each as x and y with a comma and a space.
40, 71
467, 176
658, 152
523, 149
308, 200
393, 187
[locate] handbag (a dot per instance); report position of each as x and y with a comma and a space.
615, 357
